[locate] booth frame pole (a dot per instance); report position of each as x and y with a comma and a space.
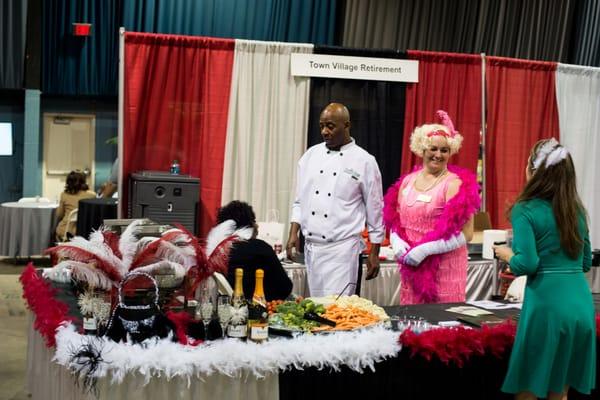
483, 135
120, 117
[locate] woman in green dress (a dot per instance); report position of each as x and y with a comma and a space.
555, 345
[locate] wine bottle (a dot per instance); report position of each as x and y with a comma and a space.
237, 325
258, 328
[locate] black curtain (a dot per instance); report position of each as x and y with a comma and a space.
585, 46
33, 48
532, 29
376, 110
13, 18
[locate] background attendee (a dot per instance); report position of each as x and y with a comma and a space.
555, 346
338, 191
430, 215
253, 254
110, 187
75, 189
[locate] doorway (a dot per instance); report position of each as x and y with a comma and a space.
69, 144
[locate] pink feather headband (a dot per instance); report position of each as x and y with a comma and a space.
447, 122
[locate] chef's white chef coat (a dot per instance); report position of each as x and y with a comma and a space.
337, 192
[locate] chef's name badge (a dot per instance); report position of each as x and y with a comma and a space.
353, 174
424, 198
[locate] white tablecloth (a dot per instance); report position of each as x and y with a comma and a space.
47, 380
26, 229
385, 289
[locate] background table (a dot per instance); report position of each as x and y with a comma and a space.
26, 229
93, 212
385, 289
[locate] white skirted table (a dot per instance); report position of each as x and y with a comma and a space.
482, 282
26, 229
385, 289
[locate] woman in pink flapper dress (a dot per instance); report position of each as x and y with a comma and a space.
430, 216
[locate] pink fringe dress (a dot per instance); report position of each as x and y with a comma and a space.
418, 218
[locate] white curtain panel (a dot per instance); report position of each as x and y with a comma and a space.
578, 98
266, 127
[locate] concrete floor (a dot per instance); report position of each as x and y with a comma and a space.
13, 331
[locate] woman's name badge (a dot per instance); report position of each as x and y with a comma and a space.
424, 198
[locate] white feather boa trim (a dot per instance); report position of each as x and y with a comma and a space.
357, 350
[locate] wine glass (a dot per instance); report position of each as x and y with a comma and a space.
224, 312
205, 308
206, 313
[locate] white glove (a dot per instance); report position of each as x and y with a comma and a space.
399, 246
417, 254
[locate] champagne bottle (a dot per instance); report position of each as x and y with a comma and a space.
258, 328
90, 326
237, 326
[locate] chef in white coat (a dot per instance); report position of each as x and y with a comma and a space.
338, 191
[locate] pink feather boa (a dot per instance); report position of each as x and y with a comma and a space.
49, 312
455, 215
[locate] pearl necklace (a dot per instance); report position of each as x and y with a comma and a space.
435, 182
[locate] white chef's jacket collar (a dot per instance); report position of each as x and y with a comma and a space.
344, 147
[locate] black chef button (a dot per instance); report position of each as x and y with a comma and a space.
341, 154
321, 171
309, 234
313, 213
317, 192
335, 173
325, 215
328, 151
329, 194
323, 236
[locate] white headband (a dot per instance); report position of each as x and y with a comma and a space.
552, 152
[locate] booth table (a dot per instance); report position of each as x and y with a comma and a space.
26, 229
93, 212
402, 376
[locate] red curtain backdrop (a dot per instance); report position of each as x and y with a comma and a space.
521, 109
450, 82
176, 101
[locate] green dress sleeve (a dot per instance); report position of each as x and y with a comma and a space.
525, 260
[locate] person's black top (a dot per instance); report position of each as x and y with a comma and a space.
252, 255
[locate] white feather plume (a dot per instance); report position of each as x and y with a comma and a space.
543, 152
164, 266
61, 272
128, 242
184, 255
556, 156
93, 276
244, 233
218, 234
144, 242
96, 236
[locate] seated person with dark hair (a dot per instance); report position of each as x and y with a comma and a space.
253, 254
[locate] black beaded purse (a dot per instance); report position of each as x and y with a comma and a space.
136, 319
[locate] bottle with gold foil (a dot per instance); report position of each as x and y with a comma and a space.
237, 327
258, 327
